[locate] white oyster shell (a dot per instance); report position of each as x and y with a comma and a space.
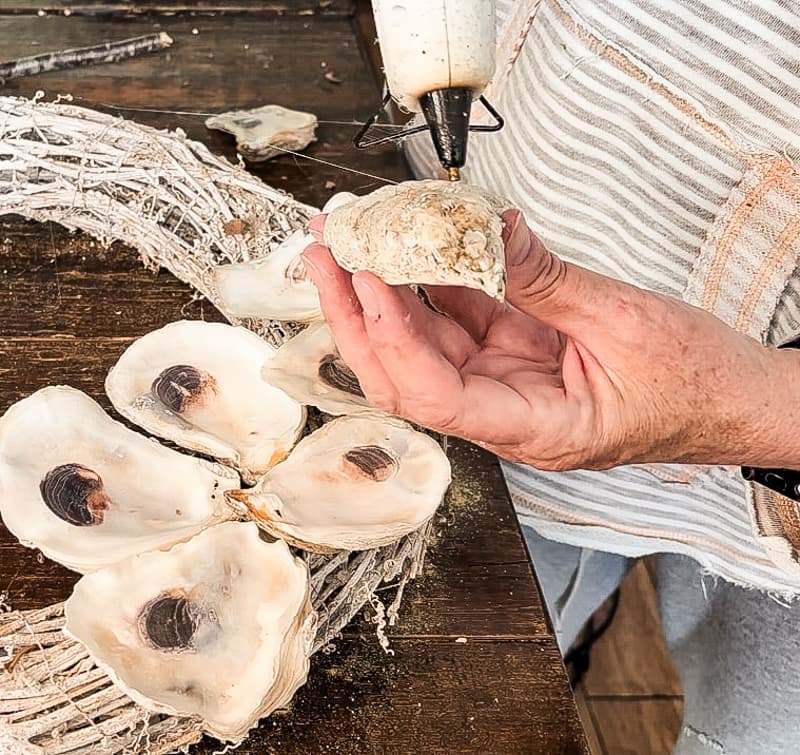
309, 369
219, 627
354, 484
110, 492
265, 132
275, 287
425, 232
199, 385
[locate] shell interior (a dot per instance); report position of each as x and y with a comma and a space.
88, 491
275, 287
218, 627
309, 369
356, 483
199, 385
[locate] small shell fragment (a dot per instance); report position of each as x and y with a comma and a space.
199, 385
89, 492
423, 232
356, 483
309, 369
265, 132
219, 627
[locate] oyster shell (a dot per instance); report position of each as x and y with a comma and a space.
276, 287
356, 483
198, 384
309, 369
88, 491
265, 132
218, 627
426, 232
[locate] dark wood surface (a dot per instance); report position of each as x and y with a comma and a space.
137, 7
631, 700
69, 307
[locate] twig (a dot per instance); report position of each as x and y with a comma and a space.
110, 52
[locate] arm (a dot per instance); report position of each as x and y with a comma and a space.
775, 414
576, 370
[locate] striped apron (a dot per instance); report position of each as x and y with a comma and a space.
655, 142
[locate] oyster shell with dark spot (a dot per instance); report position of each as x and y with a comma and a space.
356, 483
199, 385
219, 627
309, 369
88, 492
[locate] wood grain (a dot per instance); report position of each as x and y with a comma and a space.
631, 658
73, 303
499, 698
638, 727
136, 7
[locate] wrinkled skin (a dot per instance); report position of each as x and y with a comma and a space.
574, 370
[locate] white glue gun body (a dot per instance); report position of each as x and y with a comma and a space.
438, 56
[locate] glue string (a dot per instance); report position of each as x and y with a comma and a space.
337, 166
332, 165
396, 126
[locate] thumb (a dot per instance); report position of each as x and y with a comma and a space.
540, 284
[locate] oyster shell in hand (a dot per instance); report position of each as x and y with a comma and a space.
89, 492
309, 369
275, 287
356, 483
199, 385
426, 232
218, 627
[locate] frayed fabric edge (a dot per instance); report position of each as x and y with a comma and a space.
576, 535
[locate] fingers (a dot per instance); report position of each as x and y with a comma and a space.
343, 313
429, 385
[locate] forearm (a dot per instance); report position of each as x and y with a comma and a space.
770, 434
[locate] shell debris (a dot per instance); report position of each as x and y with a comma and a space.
265, 132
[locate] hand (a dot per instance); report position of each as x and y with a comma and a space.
575, 370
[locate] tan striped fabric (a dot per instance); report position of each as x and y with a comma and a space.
654, 142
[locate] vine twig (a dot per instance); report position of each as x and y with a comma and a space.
109, 52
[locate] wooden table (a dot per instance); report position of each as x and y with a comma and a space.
68, 308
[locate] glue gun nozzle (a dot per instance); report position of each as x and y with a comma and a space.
453, 174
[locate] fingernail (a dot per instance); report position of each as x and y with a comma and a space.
368, 298
518, 245
312, 269
316, 225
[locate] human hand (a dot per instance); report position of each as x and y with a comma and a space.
575, 370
